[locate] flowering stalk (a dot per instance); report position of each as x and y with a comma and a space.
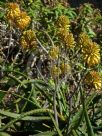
54, 99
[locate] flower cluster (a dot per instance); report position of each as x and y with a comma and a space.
92, 54
84, 40
54, 52
17, 17
28, 40
66, 37
23, 20
65, 68
55, 72
63, 22
13, 11
69, 40
62, 69
93, 79
90, 50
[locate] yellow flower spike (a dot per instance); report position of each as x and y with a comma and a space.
90, 50
55, 72
24, 43
84, 40
28, 40
66, 37
23, 20
93, 78
62, 33
63, 22
65, 68
13, 11
54, 52
91, 54
69, 40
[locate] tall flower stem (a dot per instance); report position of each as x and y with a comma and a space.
54, 100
